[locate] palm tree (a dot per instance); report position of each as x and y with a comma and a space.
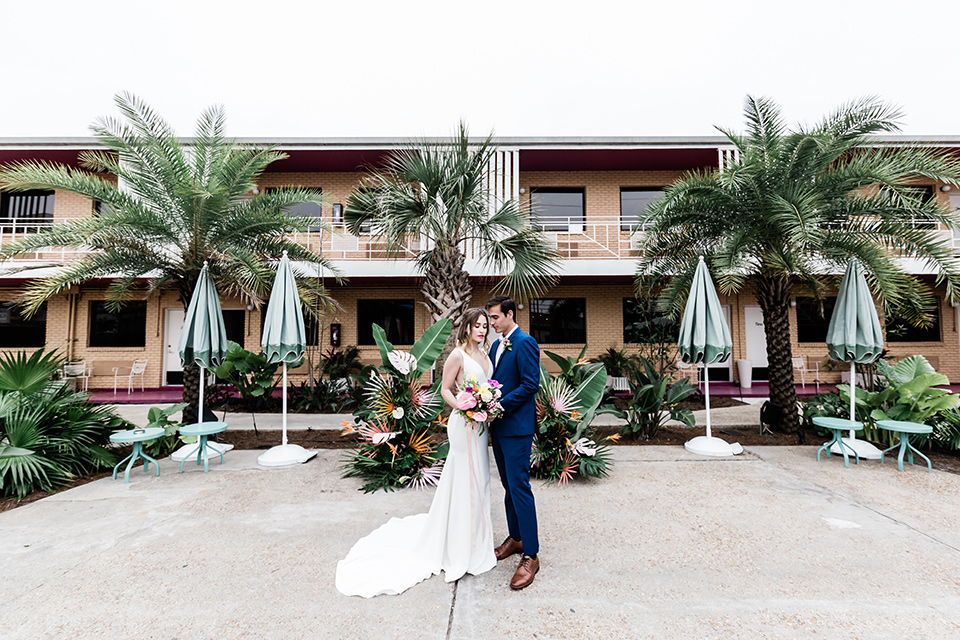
436, 192
165, 207
792, 209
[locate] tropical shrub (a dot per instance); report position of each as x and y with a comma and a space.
946, 429
911, 395
49, 433
394, 424
158, 417
656, 398
825, 405
252, 374
564, 444
341, 363
619, 363
323, 396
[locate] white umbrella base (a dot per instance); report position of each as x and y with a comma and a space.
863, 448
181, 453
704, 446
285, 455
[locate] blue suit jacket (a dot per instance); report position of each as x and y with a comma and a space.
519, 373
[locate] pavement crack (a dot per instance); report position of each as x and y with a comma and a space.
453, 604
858, 503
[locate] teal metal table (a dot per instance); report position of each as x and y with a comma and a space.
905, 429
837, 426
137, 437
202, 430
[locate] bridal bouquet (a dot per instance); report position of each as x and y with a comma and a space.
479, 400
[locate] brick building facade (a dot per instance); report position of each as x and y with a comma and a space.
595, 241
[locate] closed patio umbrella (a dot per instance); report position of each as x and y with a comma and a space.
284, 340
853, 336
705, 338
203, 341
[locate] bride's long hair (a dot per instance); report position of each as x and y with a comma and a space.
469, 319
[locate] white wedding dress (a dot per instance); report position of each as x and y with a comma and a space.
455, 536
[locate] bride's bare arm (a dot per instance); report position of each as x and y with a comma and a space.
451, 376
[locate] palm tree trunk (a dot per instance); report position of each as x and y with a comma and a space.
773, 294
191, 392
447, 290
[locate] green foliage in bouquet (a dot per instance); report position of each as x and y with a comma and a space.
394, 424
564, 444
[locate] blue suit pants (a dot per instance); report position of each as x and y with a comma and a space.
512, 454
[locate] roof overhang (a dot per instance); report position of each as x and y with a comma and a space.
674, 153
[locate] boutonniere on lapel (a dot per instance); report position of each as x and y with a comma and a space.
507, 345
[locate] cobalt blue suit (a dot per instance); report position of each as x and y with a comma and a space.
512, 434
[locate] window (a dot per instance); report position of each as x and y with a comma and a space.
395, 316
557, 209
899, 330
643, 322
924, 194
633, 204
26, 210
126, 328
301, 210
811, 324
235, 324
559, 320
305, 210
19, 332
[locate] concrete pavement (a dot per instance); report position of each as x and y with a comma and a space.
769, 544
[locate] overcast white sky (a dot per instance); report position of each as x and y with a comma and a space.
531, 68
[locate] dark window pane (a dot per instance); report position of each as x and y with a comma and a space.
234, 322
643, 322
395, 316
634, 202
899, 330
556, 209
312, 325
17, 331
126, 328
559, 320
26, 210
922, 193
811, 325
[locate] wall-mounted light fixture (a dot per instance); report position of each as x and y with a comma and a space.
255, 191
338, 213
793, 303
945, 188
250, 307
522, 190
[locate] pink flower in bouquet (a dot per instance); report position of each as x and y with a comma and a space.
479, 416
466, 401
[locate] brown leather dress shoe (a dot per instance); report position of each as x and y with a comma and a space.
525, 572
508, 548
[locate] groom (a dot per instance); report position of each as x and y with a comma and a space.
516, 365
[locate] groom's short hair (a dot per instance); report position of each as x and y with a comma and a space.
506, 304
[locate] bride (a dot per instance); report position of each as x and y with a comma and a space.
456, 535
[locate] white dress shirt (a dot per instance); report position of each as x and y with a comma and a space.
501, 347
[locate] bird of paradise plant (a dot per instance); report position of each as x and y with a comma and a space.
564, 445
395, 426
